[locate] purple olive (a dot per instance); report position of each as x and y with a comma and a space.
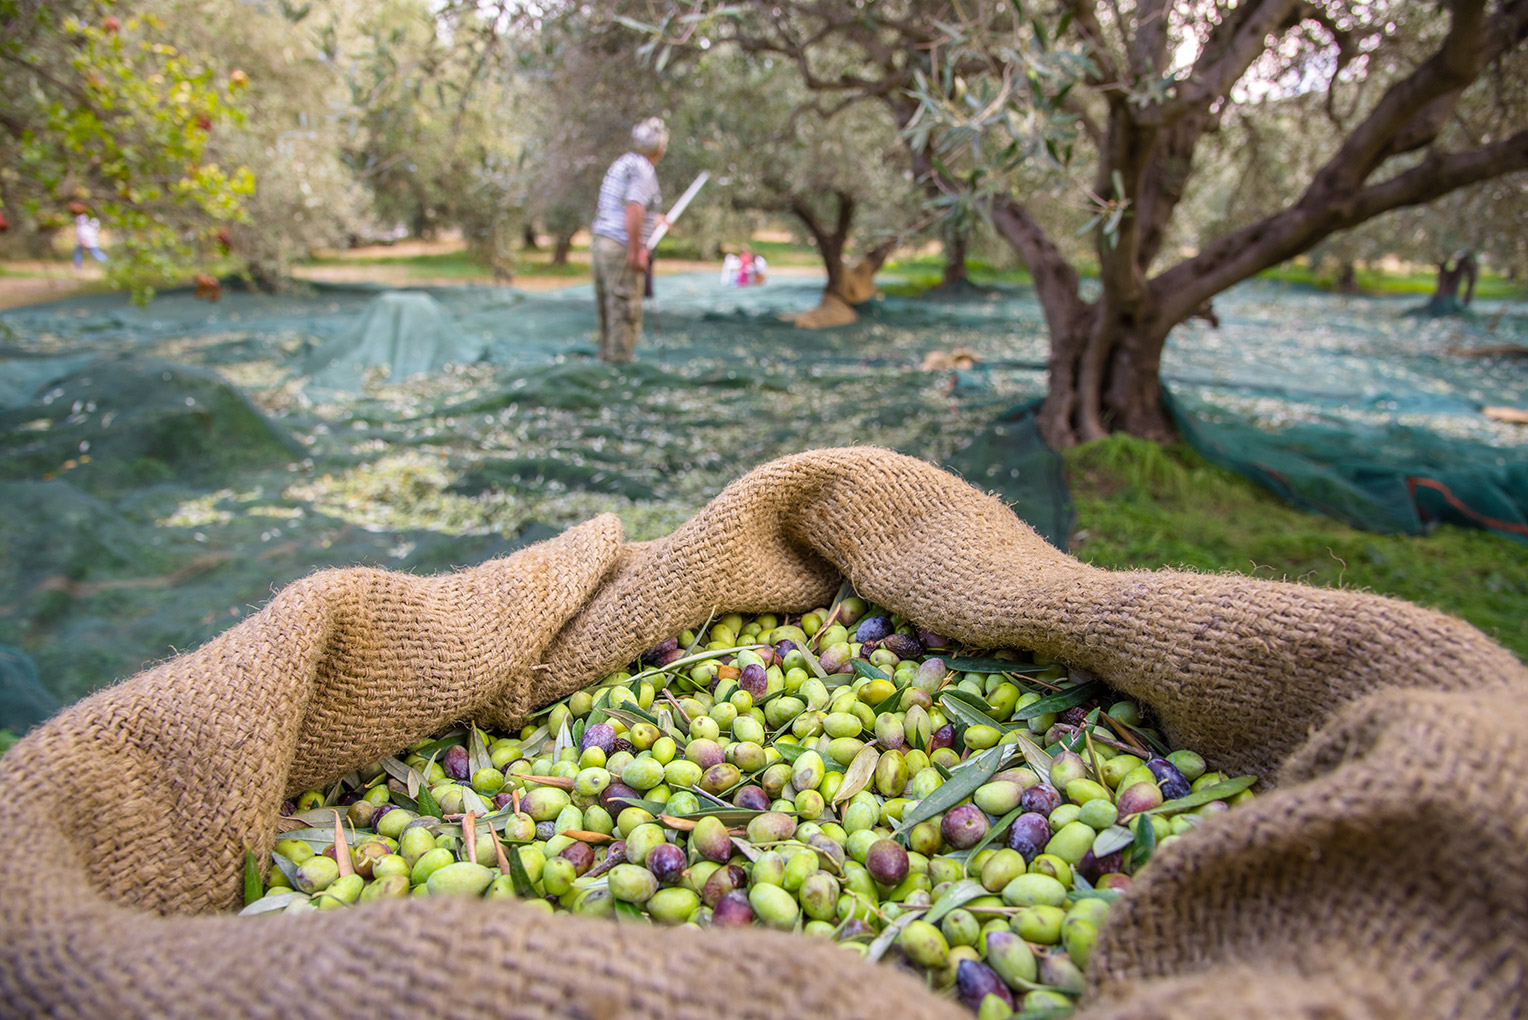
903, 646
974, 981
618, 796
456, 762
1092, 868
1172, 782
666, 862
581, 854
944, 736
753, 679
1028, 835
723, 880
655, 654
872, 628
784, 648
930, 639
600, 735
732, 910
751, 798
887, 862
963, 826
1042, 798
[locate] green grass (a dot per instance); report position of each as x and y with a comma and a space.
1379, 283
1140, 505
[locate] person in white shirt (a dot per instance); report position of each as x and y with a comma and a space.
624, 219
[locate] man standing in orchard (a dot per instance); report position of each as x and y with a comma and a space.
624, 220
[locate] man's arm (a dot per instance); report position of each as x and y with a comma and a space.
636, 251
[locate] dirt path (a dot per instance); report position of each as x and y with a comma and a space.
30, 283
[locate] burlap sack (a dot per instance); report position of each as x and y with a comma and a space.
1382, 878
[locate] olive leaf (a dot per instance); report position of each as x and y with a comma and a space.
866, 669
963, 781
453, 737
1115, 837
1145, 843
1199, 798
1036, 758
889, 703
524, 888
962, 709
253, 887
286, 866
957, 895
629, 911
428, 804
859, 773
1059, 702
477, 750
631, 714
275, 901
813, 662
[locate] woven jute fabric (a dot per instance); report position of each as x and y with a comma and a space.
1380, 873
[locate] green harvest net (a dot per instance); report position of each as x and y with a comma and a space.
164, 468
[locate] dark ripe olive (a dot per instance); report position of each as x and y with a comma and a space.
930, 639
1092, 868
1041, 798
1171, 781
753, 679
581, 854
886, 861
784, 648
654, 656
617, 796
666, 861
456, 762
903, 646
872, 628
1074, 716
963, 826
1029, 834
751, 798
944, 736
732, 910
600, 735
620, 744
974, 981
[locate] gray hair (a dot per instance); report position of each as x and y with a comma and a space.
649, 136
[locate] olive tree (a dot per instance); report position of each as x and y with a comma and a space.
1119, 100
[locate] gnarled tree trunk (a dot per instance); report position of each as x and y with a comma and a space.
1461, 271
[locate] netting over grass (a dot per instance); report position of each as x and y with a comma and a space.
186, 515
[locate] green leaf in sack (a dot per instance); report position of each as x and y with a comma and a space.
962, 783
958, 894
253, 887
813, 662
472, 801
286, 866
275, 901
1060, 702
524, 887
477, 750
1145, 843
1199, 798
629, 911
428, 805
452, 738
962, 709
889, 703
730, 816
859, 773
313, 836
630, 714
395, 768
889, 934
1115, 837
790, 752
964, 664
868, 670
564, 741
1036, 758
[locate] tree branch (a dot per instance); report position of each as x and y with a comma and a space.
1285, 234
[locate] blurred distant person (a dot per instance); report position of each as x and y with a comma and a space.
87, 238
624, 220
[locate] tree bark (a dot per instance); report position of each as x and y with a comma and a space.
1452, 275
560, 250
954, 274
